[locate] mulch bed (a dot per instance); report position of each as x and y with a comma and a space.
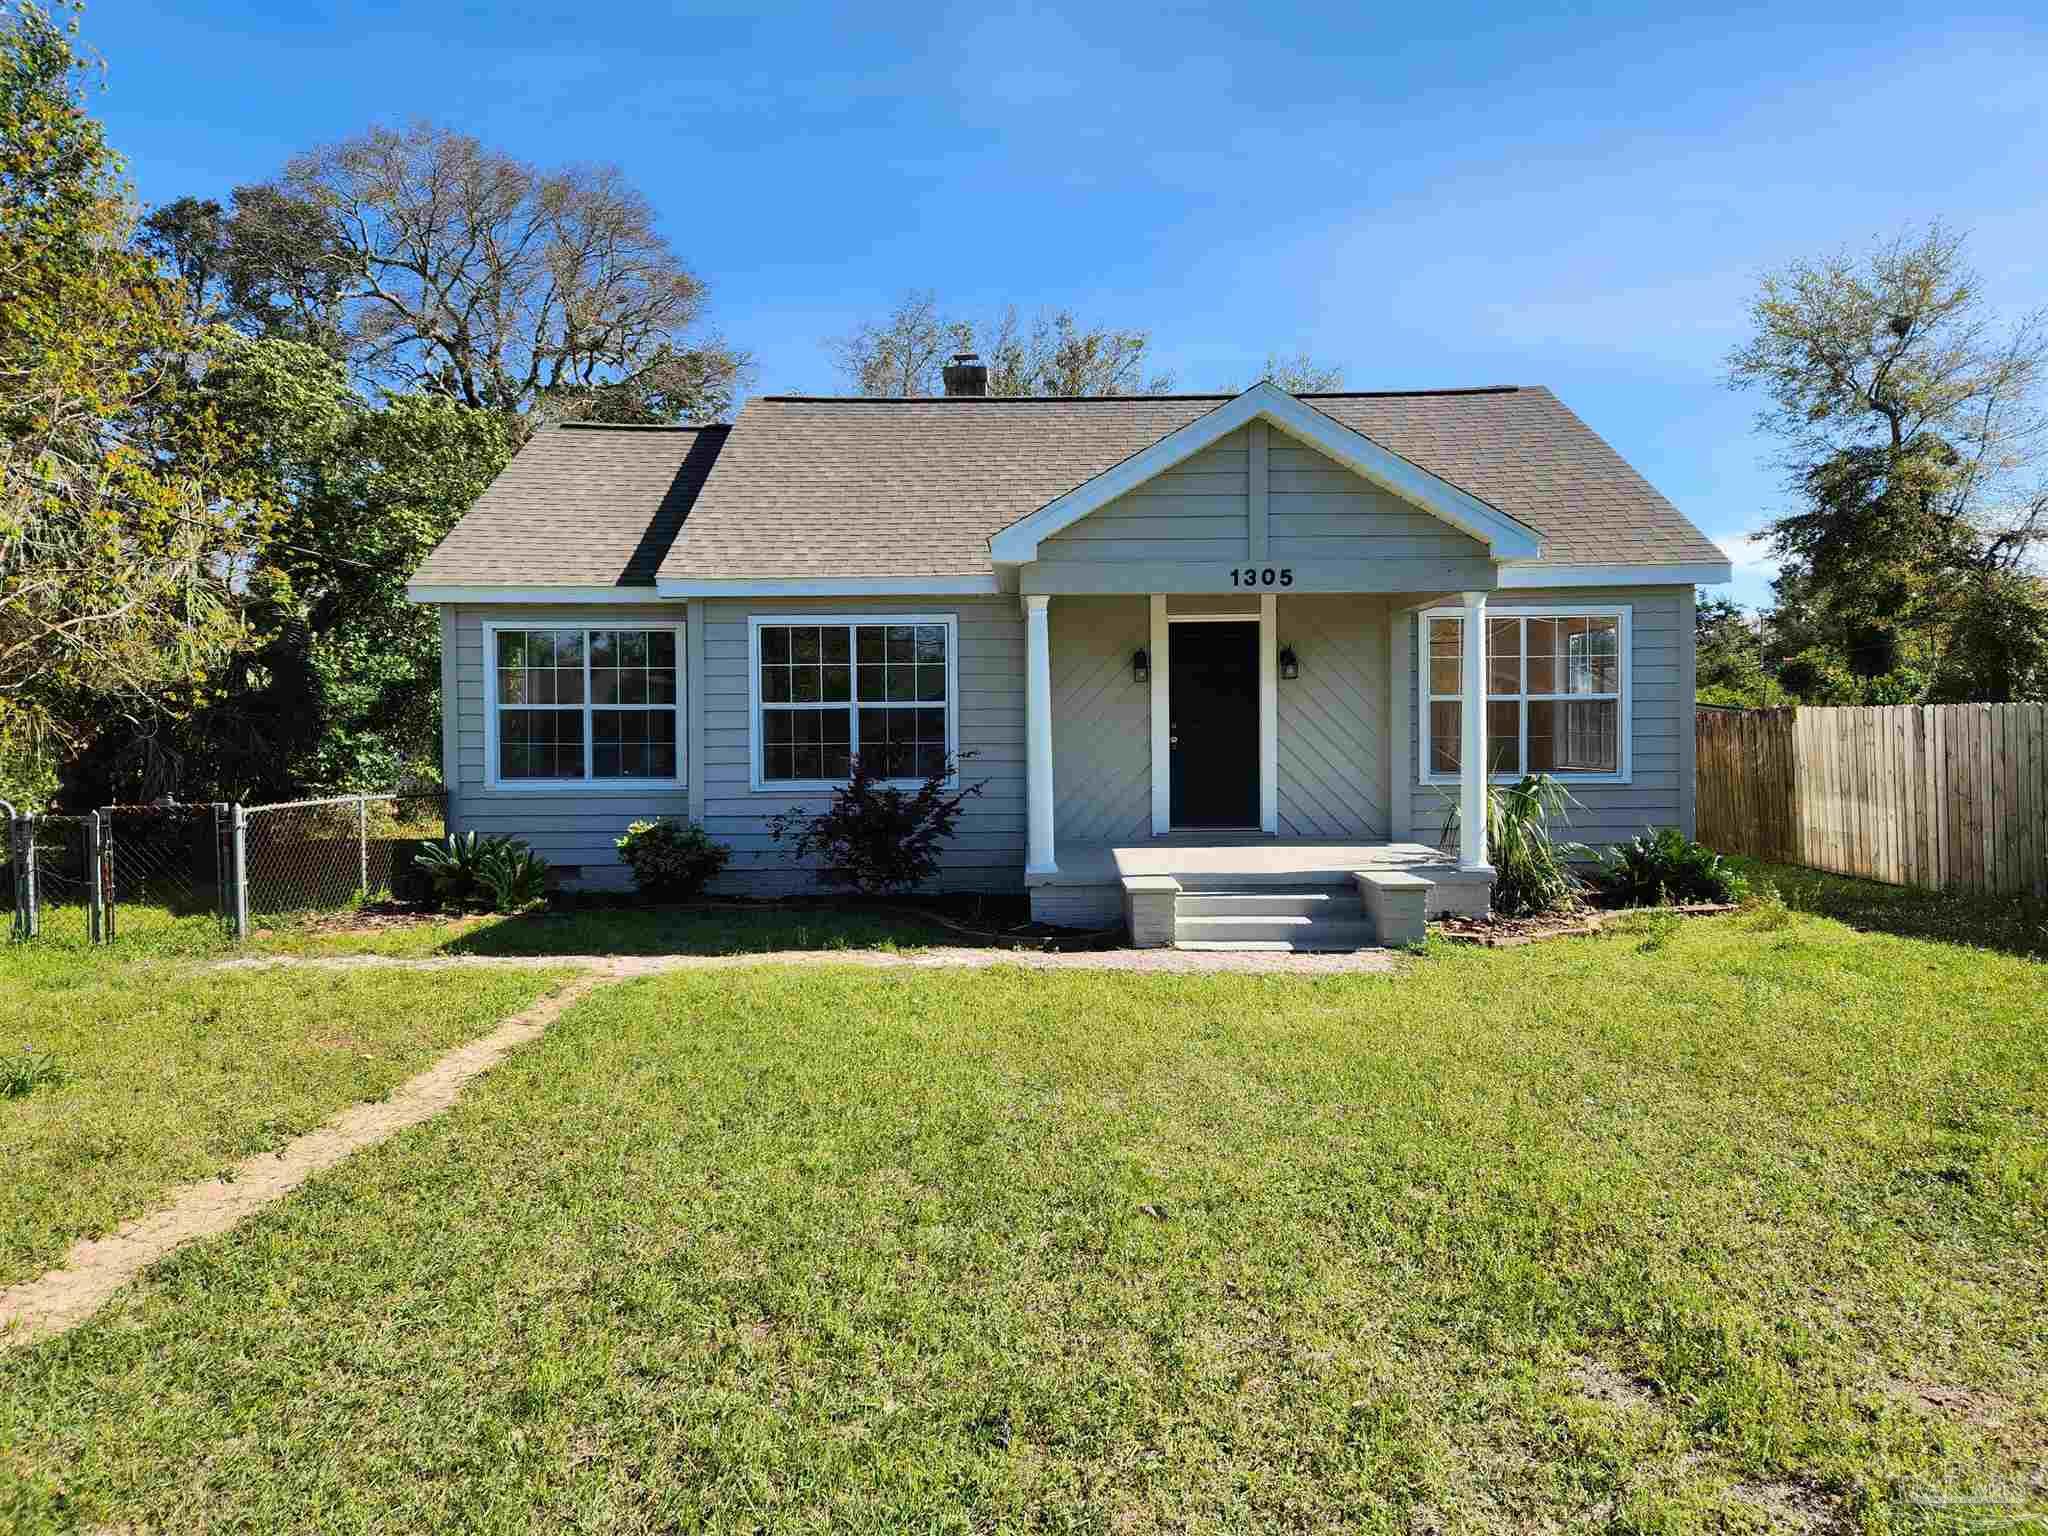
1497, 932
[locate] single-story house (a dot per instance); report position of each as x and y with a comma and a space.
1225, 663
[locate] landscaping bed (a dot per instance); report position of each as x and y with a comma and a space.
1496, 931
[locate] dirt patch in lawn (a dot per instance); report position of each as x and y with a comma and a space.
1986, 1410
1616, 1389
1794, 1504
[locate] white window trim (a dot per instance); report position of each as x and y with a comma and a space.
585, 785
1624, 641
756, 622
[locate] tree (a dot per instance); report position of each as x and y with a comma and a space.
338, 684
1302, 374
1916, 449
904, 354
1730, 651
432, 262
115, 565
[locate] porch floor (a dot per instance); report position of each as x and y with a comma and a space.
1240, 859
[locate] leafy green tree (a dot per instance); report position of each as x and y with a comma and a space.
116, 563
339, 685
1916, 451
1731, 657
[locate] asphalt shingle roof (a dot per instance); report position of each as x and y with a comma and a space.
579, 505
806, 487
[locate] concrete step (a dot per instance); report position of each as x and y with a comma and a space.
1271, 931
1240, 903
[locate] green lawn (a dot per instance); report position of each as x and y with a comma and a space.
1713, 1226
166, 1072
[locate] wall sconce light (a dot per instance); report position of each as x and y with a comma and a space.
1290, 664
1141, 667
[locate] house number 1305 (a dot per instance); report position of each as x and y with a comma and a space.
1262, 576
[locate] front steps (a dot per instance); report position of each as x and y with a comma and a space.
1246, 915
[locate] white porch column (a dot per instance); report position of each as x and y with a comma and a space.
1039, 858
1472, 745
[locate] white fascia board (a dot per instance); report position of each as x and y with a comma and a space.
1508, 539
833, 586
423, 592
1690, 573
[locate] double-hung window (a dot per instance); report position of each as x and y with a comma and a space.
583, 704
1557, 693
827, 690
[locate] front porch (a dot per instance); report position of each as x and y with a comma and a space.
1256, 892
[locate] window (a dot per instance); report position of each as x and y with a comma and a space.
571, 704
1556, 693
827, 690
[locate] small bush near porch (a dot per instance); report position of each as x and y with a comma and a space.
1720, 1226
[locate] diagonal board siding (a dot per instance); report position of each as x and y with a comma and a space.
1333, 728
1661, 793
1101, 737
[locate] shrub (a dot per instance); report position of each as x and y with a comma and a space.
512, 876
1664, 865
469, 870
671, 860
1532, 871
874, 836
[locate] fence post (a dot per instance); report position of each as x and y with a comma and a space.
27, 877
15, 929
363, 845
239, 828
96, 914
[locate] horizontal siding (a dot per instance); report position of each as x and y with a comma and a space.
575, 827
988, 851
1196, 511
1661, 641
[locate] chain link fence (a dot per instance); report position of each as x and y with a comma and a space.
130, 871
306, 856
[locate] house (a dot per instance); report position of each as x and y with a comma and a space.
1219, 659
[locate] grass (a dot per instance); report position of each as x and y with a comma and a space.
1716, 1226
2017, 924
136, 1072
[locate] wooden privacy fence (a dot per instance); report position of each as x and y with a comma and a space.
1949, 796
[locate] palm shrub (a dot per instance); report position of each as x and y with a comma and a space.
876, 836
1532, 869
467, 870
511, 876
1664, 865
671, 860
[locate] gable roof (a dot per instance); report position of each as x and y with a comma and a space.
811, 487
582, 504
1503, 535
818, 490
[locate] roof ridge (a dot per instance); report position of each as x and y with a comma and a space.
646, 426
1315, 394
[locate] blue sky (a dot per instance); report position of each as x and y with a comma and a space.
1428, 196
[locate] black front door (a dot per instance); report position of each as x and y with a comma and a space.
1213, 703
